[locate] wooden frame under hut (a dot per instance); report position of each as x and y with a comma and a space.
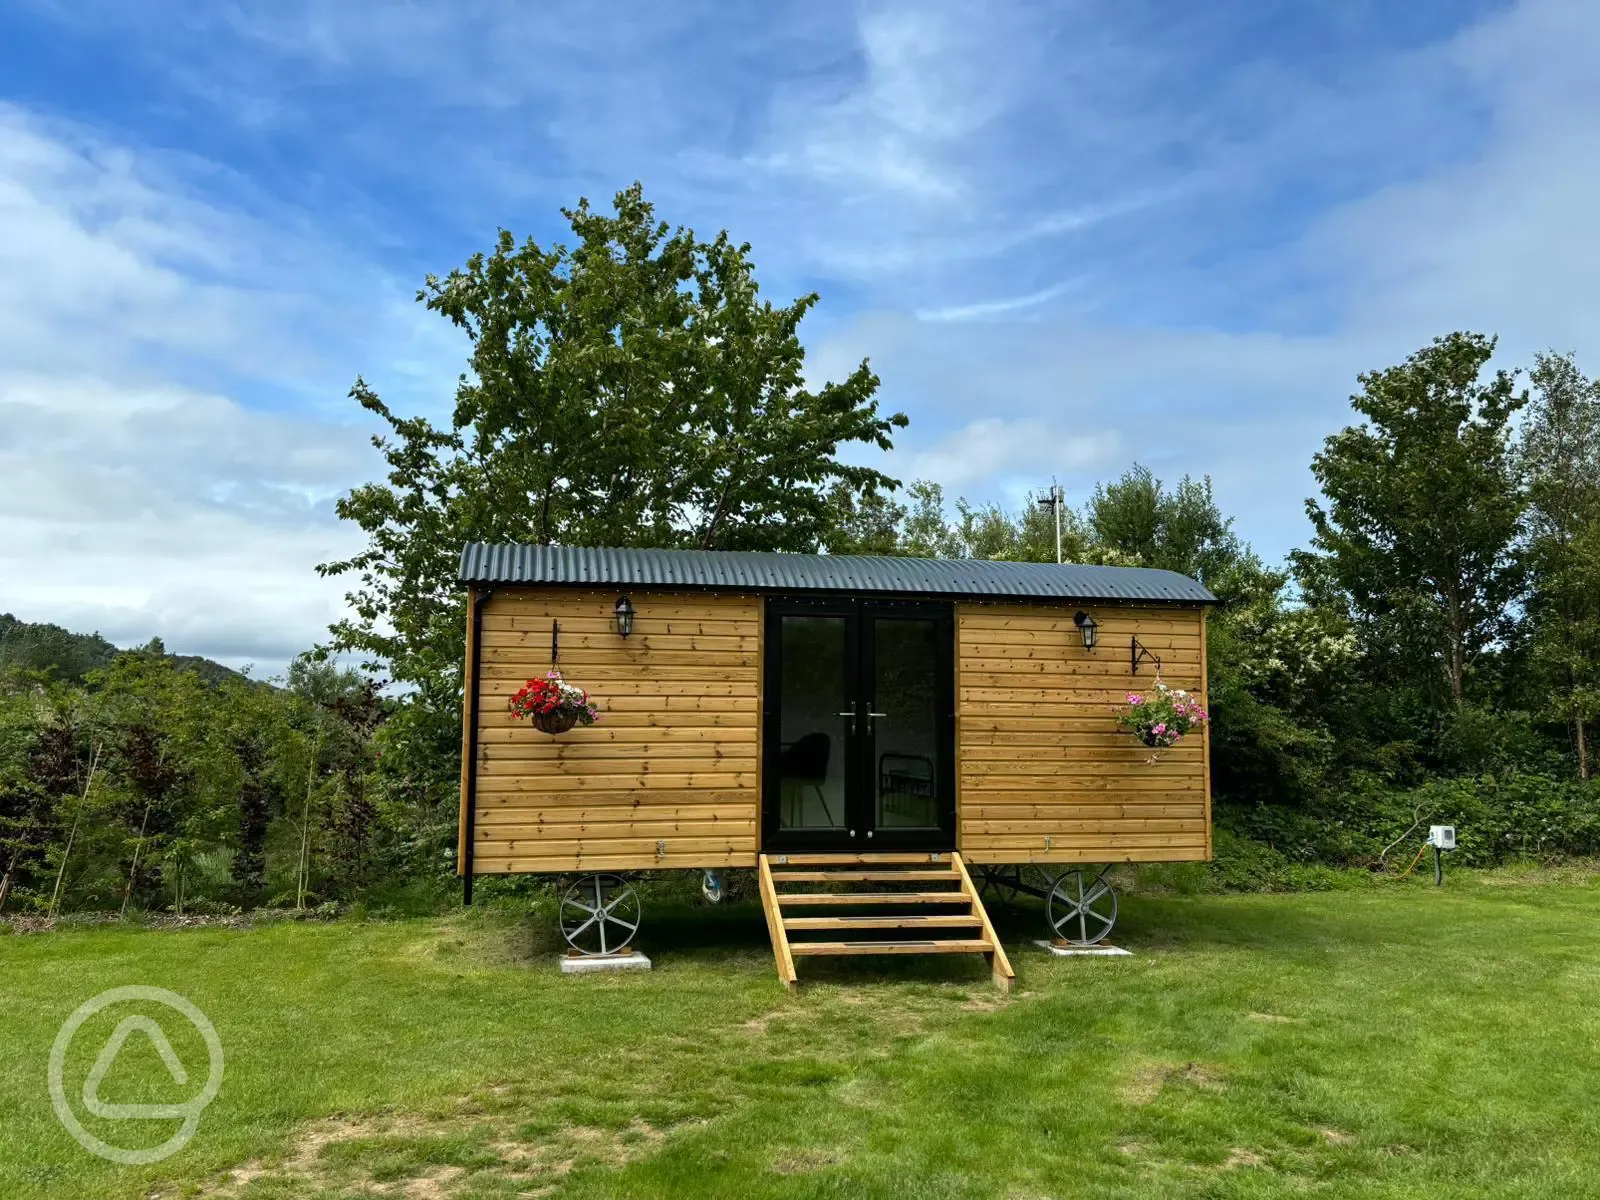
868, 733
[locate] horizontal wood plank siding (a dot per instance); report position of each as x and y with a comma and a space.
667, 778
1044, 774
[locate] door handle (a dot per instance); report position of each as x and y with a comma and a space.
852, 715
871, 716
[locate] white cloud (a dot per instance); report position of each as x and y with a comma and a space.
171, 513
1506, 242
1013, 454
996, 308
137, 496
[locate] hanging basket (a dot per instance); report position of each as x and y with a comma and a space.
552, 705
1161, 718
554, 722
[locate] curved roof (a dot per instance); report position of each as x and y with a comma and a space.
755, 571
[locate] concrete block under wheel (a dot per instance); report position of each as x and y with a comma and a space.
1099, 951
585, 964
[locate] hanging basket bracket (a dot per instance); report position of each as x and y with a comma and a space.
1138, 653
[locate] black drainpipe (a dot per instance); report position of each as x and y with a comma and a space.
481, 599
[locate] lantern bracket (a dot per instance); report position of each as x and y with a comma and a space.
555, 643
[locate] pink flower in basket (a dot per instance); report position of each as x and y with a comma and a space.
1161, 719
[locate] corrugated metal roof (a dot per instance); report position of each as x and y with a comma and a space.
744, 570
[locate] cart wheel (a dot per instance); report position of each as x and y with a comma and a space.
600, 914
1000, 883
1082, 911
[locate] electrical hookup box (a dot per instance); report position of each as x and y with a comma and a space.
1442, 837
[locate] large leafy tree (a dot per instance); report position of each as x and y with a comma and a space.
1181, 529
1422, 508
1559, 456
631, 389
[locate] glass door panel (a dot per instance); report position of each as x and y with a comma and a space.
907, 717
814, 715
858, 726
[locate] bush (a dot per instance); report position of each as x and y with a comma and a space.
1498, 818
1241, 864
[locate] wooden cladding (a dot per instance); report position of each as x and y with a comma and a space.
1044, 774
669, 775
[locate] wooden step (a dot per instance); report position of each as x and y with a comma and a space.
940, 946
972, 931
864, 859
804, 899
862, 876
923, 921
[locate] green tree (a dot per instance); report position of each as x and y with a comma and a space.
1559, 458
1181, 529
629, 390
157, 715
925, 532
337, 813
870, 523
51, 649
38, 767
1418, 536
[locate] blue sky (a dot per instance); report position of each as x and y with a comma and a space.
1069, 236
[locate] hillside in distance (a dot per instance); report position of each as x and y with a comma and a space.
70, 656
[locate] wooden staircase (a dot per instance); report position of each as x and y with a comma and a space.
915, 904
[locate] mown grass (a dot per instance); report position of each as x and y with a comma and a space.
1394, 1041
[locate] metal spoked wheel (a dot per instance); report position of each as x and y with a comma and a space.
1082, 908
600, 914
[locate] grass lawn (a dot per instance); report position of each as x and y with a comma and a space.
1396, 1041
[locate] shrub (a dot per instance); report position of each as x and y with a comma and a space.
1497, 818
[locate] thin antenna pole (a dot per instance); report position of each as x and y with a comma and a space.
1056, 497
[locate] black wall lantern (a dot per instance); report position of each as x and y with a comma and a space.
624, 616
1086, 626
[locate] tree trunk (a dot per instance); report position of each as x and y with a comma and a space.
5, 884
1455, 631
303, 876
16, 857
1583, 751
61, 874
133, 872
250, 860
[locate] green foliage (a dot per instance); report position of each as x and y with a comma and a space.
149, 787
58, 653
1244, 864
1498, 819
1559, 460
1418, 535
1138, 521
50, 649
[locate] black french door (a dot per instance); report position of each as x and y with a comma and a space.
858, 726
